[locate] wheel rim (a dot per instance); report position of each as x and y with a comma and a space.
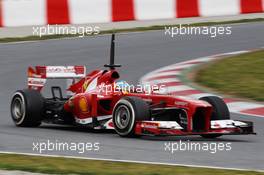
123, 117
18, 108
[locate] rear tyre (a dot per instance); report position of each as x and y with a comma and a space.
27, 108
220, 111
126, 112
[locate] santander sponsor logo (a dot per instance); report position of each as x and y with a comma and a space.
60, 69
36, 81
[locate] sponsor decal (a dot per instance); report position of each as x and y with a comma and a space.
36, 82
60, 69
83, 105
181, 103
65, 71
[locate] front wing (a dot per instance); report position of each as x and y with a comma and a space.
170, 128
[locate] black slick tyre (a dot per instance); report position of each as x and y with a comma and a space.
220, 111
27, 108
126, 112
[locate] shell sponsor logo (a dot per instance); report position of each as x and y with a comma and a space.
83, 104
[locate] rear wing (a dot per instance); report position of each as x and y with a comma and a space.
38, 76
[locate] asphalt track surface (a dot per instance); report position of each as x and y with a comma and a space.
139, 53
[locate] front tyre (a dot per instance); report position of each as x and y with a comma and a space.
126, 112
27, 108
220, 111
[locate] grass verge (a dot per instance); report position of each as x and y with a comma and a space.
136, 29
240, 75
53, 165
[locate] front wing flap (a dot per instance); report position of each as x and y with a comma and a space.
223, 127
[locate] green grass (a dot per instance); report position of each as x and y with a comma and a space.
241, 75
53, 165
136, 29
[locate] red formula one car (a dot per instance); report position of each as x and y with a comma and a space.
99, 101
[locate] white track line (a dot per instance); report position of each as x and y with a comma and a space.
131, 161
236, 52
